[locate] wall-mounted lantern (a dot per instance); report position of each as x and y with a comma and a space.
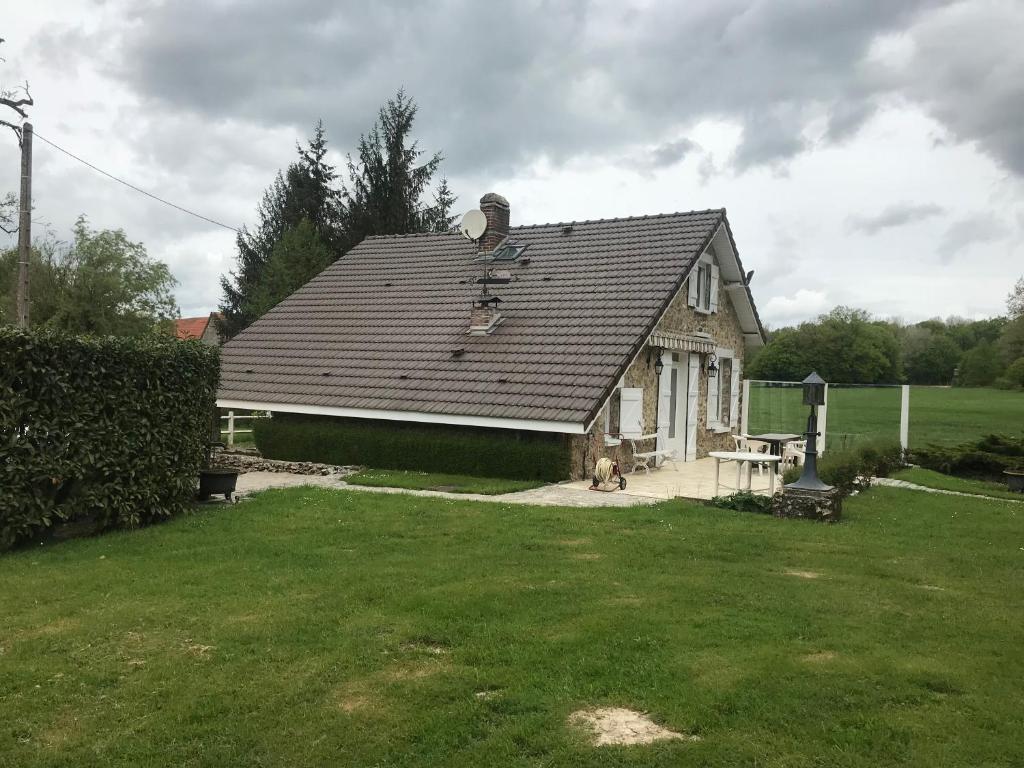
712, 366
659, 366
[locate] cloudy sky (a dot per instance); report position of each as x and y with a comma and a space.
869, 153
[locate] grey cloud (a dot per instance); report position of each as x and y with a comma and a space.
897, 215
967, 71
969, 231
500, 84
671, 152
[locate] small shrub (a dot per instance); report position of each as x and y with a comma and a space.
984, 459
109, 431
851, 469
424, 448
744, 501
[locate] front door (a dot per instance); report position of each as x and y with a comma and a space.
673, 404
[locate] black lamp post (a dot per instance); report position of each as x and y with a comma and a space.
814, 395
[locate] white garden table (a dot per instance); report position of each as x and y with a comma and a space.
749, 458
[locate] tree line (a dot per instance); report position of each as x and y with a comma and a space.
850, 346
308, 218
101, 282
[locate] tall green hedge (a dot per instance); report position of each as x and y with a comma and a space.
425, 448
108, 429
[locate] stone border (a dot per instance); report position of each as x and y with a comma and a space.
250, 463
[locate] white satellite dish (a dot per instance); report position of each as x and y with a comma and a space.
474, 224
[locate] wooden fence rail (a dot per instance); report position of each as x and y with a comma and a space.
231, 418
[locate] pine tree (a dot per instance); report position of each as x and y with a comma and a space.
383, 196
305, 192
306, 221
299, 256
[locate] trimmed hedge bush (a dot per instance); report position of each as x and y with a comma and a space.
984, 459
510, 454
844, 468
107, 430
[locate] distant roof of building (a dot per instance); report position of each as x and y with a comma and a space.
193, 327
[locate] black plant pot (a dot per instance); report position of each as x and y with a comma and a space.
217, 481
1015, 479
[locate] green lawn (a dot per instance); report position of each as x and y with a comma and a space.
432, 481
245, 439
932, 479
316, 627
939, 415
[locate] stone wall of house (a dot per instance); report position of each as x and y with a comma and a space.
587, 449
724, 328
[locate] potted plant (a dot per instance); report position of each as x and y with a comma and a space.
1015, 478
214, 480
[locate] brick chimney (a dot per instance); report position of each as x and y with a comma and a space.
496, 209
483, 318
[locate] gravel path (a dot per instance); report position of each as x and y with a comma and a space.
893, 483
546, 496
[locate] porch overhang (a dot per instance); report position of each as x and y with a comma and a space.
682, 342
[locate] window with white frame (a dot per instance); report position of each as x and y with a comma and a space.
620, 415
723, 393
703, 285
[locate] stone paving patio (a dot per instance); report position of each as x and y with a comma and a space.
688, 479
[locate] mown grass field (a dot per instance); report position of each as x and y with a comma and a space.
939, 415
319, 628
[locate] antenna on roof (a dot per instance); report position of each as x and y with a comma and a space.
474, 224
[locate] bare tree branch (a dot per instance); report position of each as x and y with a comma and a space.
13, 127
7, 100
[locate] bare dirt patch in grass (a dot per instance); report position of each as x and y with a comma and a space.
199, 650
819, 657
803, 574
615, 725
56, 627
352, 697
586, 556
626, 600
414, 671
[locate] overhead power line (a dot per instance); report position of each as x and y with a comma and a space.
132, 186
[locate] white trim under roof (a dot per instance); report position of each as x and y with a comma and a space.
533, 425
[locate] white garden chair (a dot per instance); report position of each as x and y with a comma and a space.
794, 453
744, 445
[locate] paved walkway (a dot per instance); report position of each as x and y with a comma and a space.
893, 483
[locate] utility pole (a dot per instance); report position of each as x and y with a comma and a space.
24, 224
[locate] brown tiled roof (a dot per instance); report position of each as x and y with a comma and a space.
376, 330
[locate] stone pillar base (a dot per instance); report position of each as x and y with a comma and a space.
826, 506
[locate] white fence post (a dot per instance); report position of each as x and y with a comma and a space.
231, 429
823, 423
905, 417
745, 409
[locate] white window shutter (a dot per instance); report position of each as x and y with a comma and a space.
712, 415
734, 407
714, 288
692, 287
631, 415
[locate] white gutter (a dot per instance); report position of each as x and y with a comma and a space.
533, 425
